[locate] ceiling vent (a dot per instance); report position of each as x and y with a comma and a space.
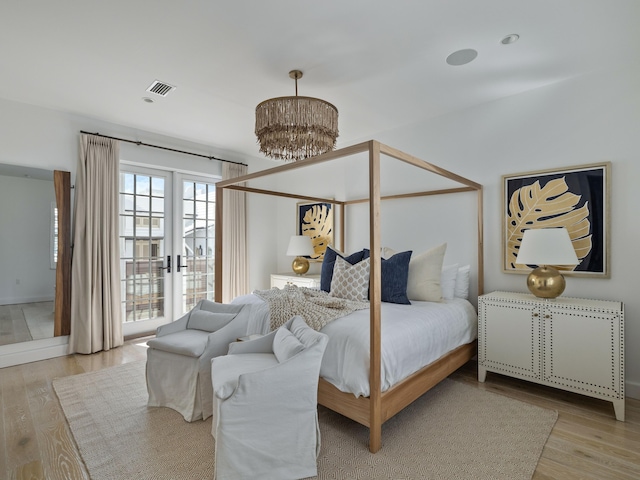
160, 88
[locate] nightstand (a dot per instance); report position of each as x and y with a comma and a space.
573, 344
281, 279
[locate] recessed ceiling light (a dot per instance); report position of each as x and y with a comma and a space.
147, 99
462, 57
509, 39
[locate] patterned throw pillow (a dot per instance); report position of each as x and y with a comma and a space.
329, 261
350, 282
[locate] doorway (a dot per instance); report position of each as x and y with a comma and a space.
167, 263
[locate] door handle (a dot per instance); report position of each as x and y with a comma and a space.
180, 264
168, 267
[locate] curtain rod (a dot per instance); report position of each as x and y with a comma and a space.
210, 157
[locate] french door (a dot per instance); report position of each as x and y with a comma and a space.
167, 224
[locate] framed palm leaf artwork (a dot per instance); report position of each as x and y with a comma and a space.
315, 220
576, 198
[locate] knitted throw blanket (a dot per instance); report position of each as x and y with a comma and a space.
316, 306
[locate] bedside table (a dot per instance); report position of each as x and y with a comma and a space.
281, 279
573, 344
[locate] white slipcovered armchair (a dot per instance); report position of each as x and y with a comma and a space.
265, 412
179, 358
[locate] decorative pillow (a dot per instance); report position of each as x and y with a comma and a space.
215, 307
448, 280
462, 283
424, 275
208, 321
303, 332
350, 282
394, 274
330, 255
386, 252
285, 344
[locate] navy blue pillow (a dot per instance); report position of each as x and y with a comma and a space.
394, 274
326, 274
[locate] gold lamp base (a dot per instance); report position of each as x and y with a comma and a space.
546, 282
300, 265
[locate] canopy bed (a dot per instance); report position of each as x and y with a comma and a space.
381, 403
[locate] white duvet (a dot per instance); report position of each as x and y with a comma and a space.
413, 336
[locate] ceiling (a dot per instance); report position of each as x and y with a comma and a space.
381, 63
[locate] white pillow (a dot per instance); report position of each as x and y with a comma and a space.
208, 321
448, 280
462, 283
386, 252
350, 282
285, 344
424, 275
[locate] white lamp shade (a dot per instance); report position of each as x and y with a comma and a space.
299, 246
546, 246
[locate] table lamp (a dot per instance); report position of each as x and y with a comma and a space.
300, 246
546, 248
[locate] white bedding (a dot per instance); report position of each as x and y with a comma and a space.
413, 336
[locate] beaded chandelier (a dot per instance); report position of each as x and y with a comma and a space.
294, 128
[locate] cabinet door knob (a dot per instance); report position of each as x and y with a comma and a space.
535, 314
547, 316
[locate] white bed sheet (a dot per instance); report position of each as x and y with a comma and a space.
413, 336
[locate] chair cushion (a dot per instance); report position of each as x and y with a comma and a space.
190, 343
225, 380
285, 344
216, 307
303, 332
208, 321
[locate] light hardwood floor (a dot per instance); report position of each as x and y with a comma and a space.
35, 442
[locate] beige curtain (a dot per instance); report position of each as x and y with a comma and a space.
96, 322
234, 237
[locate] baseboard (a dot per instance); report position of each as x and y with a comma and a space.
34, 351
31, 299
632, 389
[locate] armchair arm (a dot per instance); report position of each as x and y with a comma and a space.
173, 327
297, 378
218, 341
262, 344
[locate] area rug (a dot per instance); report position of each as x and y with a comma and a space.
453, 431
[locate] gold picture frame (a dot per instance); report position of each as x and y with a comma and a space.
315, 220
576, 198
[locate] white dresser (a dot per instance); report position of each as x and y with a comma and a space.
281, 279
570, 343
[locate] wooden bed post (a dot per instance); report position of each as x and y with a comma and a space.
218, 250
375, 387
341, 237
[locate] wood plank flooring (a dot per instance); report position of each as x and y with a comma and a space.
36, 443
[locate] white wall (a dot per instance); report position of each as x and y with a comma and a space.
25, 232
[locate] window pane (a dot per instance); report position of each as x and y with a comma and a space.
157, 205
126, 182
157, 187
142, 185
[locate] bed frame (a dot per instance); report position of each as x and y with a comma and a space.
374, 410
